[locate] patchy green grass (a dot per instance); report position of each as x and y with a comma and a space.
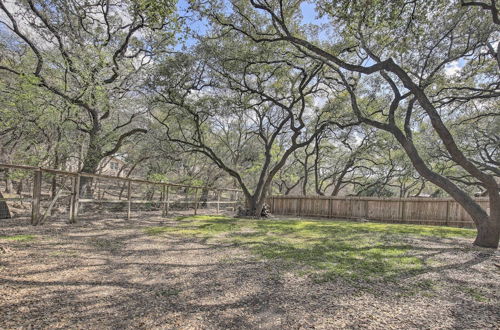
19, 238
424, 287
327, 249
64, 254
105, 244
475, 294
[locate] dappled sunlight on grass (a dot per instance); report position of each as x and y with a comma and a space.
326, 249
19, 238
198, 226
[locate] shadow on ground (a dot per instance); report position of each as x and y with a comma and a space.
111, 274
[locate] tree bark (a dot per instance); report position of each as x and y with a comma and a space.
255, 202
4, 209
90, 165
204, 197
488, 231
8, 182
306, 175
19, 189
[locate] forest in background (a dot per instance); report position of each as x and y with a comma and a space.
363, 98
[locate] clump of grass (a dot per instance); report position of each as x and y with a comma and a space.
424, 287
325, 249
19, 238
475, 294
168, 292
106, 244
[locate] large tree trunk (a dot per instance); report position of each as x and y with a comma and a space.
488, 226
4, 209
204, 197
86, 182
53, 187
254, 206
255, 202
90, 165
488, 231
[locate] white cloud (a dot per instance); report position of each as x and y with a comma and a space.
453, 68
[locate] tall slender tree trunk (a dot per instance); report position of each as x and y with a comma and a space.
19, 189
8, 182
306, 176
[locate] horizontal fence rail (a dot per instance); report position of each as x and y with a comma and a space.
415, 210
36, 189
103, 176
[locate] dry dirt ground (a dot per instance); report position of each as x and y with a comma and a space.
109, 274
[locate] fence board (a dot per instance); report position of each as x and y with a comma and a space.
414, 210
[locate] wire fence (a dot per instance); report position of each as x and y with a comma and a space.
44, 193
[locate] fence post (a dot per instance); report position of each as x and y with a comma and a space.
330, 205
299, 208
366, 209
163, 198
195, 201
218, 201
351, 213
447, 212
129, 200
72, 199
403, 210
37, 192
167, 204
76, 201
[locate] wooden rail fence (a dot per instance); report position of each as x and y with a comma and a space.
76, 200
417, 210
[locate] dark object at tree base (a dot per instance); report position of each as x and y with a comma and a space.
4, 209
265, 213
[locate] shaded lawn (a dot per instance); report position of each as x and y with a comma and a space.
325, 249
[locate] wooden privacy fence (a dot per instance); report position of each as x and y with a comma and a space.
113, 190
416, 210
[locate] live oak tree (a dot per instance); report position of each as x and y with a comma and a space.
327, 166
403, 53
289, 177
387, 171
35, 128
356, 161
90, 54
246, 108
339, 161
